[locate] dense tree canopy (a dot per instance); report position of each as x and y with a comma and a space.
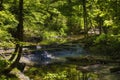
60, 18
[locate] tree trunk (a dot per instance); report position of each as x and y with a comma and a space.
15, 52
19, 31
85, 18
18, 49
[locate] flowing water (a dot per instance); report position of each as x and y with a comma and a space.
50, 55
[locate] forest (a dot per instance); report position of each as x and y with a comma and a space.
59, 39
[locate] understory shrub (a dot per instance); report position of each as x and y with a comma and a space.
106, 44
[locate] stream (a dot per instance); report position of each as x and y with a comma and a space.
54, 54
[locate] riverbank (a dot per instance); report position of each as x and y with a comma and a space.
70, 71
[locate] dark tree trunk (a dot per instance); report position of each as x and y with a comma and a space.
19, 31
20, 25
85, 18
18, 49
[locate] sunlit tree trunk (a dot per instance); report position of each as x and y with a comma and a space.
85, 18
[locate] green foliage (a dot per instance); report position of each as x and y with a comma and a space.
75, 25
56, 72
89, 41
56, 76
61, 17
6, 40
3, 64
107, 39
108, 23
7, 20
106, 44
101, 39
3, 77
5, 36
52, 37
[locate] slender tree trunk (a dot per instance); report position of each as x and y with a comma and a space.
18, 49
15, 52
19, 31
85, 18
20, 25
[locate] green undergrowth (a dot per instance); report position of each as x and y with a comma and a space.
8, 77
57, 72
68, 70
104, 45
